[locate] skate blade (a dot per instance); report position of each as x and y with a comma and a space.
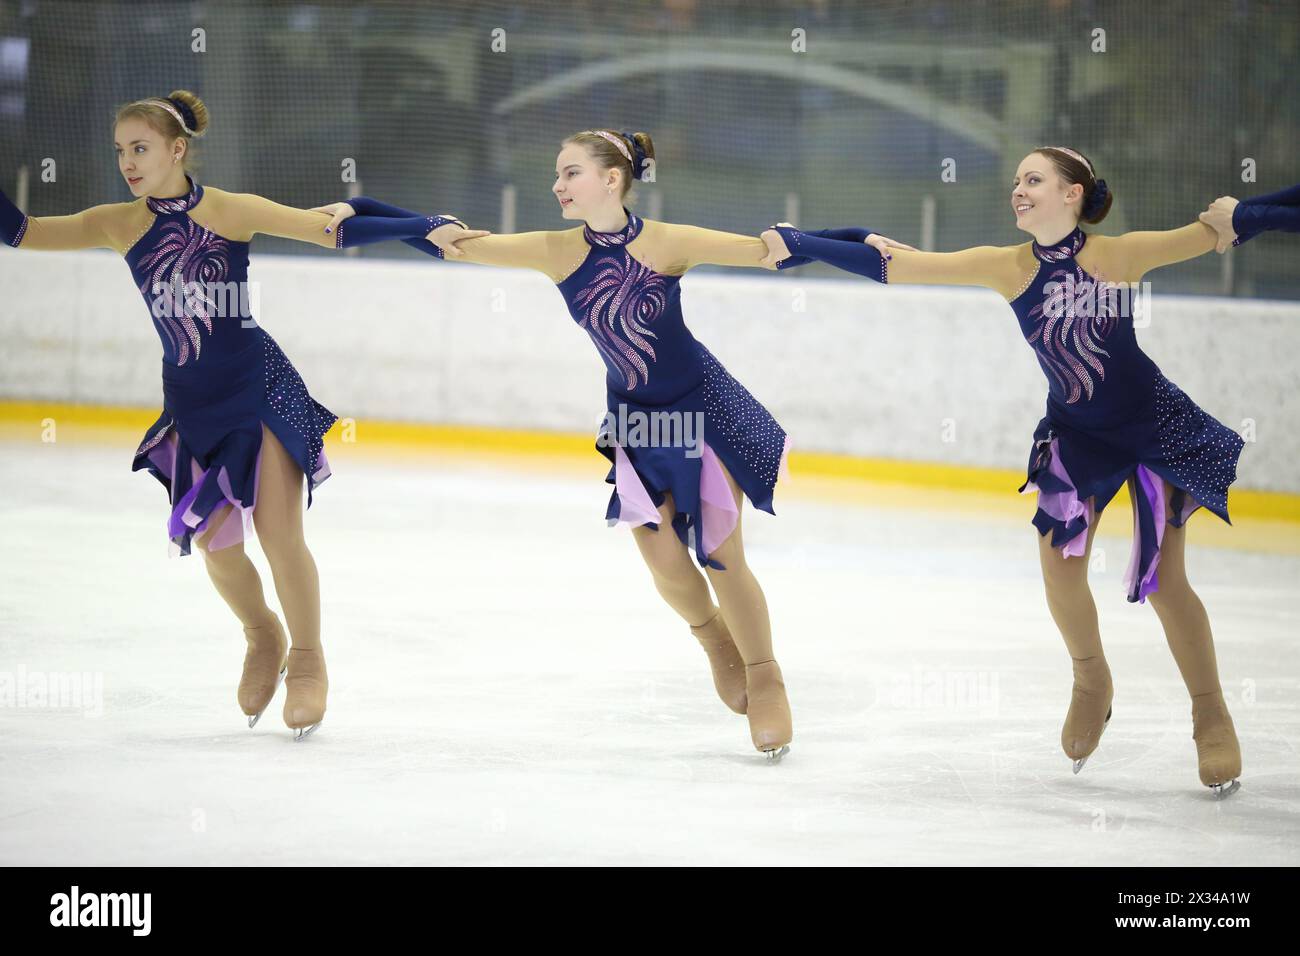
301, 732
1222, 791
1078, 764
774, 756
279, 679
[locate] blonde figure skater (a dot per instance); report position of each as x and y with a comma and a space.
239, 432
620, 276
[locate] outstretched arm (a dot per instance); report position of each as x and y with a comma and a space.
674, 248
441, 241
845, 234
242, 215
682, 247
543, 251
369, 206
1134, 254
882, 244
993, 267
552, 253
83, 230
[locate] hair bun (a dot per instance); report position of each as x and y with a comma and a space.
638, 152
192, 110
1097, 201
187, 114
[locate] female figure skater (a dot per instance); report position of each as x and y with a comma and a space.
1112, 418
238, 430
620, 276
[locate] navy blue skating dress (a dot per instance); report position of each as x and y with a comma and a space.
223, 376
656, 367
1111, 416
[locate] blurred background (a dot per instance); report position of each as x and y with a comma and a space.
460, 106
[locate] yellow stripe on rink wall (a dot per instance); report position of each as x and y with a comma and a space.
27, 420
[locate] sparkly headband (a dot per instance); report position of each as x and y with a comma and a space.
622, 148
170, 107
1078, 156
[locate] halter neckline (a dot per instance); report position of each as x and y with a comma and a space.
175, 204
619, 238
1063, 249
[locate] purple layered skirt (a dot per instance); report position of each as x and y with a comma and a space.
738, 433
1174, 450
206, 446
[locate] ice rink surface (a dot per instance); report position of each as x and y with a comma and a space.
507, 688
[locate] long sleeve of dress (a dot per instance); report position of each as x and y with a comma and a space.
992, 267
369, 206
240, 216
851, 256
1279, 210
845, 234
88, 229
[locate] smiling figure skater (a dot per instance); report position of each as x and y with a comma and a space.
1112, 418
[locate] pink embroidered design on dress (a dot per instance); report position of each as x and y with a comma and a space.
620, 303
1076, 315
186, 253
